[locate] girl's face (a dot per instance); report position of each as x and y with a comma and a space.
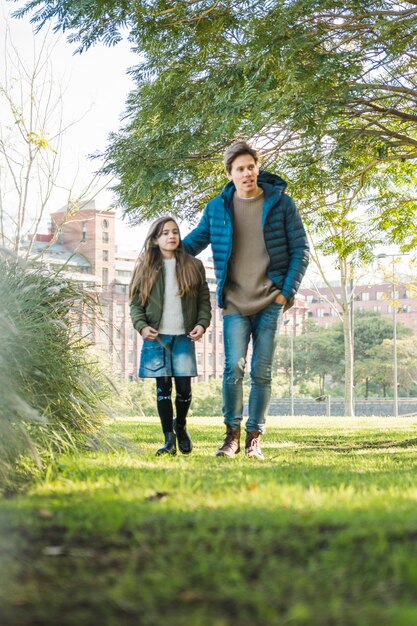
169, 239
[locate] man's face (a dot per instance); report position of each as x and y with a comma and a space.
244, 174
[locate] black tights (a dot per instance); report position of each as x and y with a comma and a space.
164, 402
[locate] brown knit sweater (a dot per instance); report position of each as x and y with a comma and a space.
248, 290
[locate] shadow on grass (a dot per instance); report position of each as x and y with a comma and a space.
239, 565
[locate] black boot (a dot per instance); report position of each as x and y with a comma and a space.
184, 440
169, 447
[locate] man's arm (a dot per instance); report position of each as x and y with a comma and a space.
199, 238
298, 250
203, 300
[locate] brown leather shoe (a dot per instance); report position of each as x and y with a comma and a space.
252, 445
231, 444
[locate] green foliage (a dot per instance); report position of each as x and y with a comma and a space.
330, 88
207, 398
134, 399
319, 354
378, 366
52, 392
321, 533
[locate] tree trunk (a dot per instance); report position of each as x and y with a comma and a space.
346, 299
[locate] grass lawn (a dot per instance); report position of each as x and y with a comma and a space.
324, 532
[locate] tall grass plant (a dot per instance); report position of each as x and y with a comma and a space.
52, 392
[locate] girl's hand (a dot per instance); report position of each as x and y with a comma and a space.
148, 333
197, 332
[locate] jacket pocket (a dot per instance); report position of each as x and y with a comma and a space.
153, 356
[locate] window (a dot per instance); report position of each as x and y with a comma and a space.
84, 231
380, 295
119, 310
220, 337
105, 255
103, 336
105, 237
310, 299
377, 308
199, 358
118, 333
210, 360
365, 296
105, 276
210, 337
105, 223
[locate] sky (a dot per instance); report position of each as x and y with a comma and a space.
95, 85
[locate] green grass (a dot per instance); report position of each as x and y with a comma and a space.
324, 532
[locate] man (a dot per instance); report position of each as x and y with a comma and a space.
260, 254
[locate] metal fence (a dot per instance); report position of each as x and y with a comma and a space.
325, 405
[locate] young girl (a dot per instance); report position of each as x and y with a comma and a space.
170, 308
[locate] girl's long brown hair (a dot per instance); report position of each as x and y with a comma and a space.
150, 261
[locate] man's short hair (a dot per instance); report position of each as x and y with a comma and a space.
237, 149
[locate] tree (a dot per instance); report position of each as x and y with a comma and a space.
379, 365
373, 361
317, 83
318, 353
32, 131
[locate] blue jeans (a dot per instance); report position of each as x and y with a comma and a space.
264, 328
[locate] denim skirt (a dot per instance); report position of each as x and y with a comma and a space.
168, 355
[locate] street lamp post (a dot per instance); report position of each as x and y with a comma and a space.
292, 371
394, 329
286, 322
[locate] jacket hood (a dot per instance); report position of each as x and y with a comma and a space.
264, 178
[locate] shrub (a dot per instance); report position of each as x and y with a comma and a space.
51, 392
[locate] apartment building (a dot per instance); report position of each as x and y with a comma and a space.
323, 309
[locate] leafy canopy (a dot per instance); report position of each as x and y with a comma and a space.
327, 89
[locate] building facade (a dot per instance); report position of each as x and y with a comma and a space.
378, 298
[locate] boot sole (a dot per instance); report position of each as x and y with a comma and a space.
230, 456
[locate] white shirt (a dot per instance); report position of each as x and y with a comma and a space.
172, 321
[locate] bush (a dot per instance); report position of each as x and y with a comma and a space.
51, 392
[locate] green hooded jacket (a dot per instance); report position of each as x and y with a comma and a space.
195, 309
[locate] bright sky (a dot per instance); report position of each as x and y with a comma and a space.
95, 86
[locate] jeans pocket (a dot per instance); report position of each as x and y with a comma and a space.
154, 356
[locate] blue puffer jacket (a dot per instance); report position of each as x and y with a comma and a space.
284, 234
